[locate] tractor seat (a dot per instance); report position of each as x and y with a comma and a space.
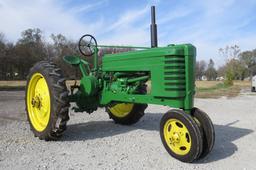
73, 60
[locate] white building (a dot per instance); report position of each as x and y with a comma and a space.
254, 83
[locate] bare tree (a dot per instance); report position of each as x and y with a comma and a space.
200, 69
230, 52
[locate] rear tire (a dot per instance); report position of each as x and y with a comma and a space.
57, 96
130, 117
127, 113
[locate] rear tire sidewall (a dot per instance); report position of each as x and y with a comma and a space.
135, 114
51, 118
59, 101
196, 140
132, 117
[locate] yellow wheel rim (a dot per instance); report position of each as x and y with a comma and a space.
122, 109
177, 137
38, 102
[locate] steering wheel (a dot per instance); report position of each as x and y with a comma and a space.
87, 45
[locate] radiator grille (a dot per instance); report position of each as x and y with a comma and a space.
174, 74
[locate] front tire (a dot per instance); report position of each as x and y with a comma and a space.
181, 135
207, 128
46, 101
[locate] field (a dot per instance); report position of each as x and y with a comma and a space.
18, 85
204, 89
12, 85
216, 89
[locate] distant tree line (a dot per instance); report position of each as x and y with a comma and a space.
17, 58
238, 65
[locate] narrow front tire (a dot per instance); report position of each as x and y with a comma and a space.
181, 135
207, 129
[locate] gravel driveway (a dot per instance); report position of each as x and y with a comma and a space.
95, 142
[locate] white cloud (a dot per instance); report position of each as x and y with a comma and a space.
50, 16
87, 7
207, 49
174, 14
128, 18
126, 30
134, 37
215, 25
209, 25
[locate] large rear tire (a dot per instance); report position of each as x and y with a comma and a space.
46, 101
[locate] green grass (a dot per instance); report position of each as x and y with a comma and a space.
218, 90
216, 87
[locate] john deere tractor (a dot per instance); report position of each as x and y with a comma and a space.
119, 84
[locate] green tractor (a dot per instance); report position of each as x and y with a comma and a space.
119, 84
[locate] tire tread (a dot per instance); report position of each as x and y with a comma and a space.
58, 90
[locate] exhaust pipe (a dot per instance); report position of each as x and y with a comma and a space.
153, 28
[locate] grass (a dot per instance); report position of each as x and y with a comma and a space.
20, 85
216, 89
12, 85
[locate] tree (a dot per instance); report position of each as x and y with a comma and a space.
211, 72
29, 50
238, 69
230, 54
248, 58
221, 71
62, 47
1, 37
200, 69
2, 57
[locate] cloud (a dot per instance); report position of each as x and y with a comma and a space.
53, 17
50, 16
87, 7
174, 14
134, 37
129, 18
128, 28
212, 25
209, 25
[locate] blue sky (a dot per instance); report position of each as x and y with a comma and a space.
209, 25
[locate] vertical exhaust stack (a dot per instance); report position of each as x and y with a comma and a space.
153, 28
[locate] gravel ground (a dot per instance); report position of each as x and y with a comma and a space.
95, 142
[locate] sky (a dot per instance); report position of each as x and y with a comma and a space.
207, 24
